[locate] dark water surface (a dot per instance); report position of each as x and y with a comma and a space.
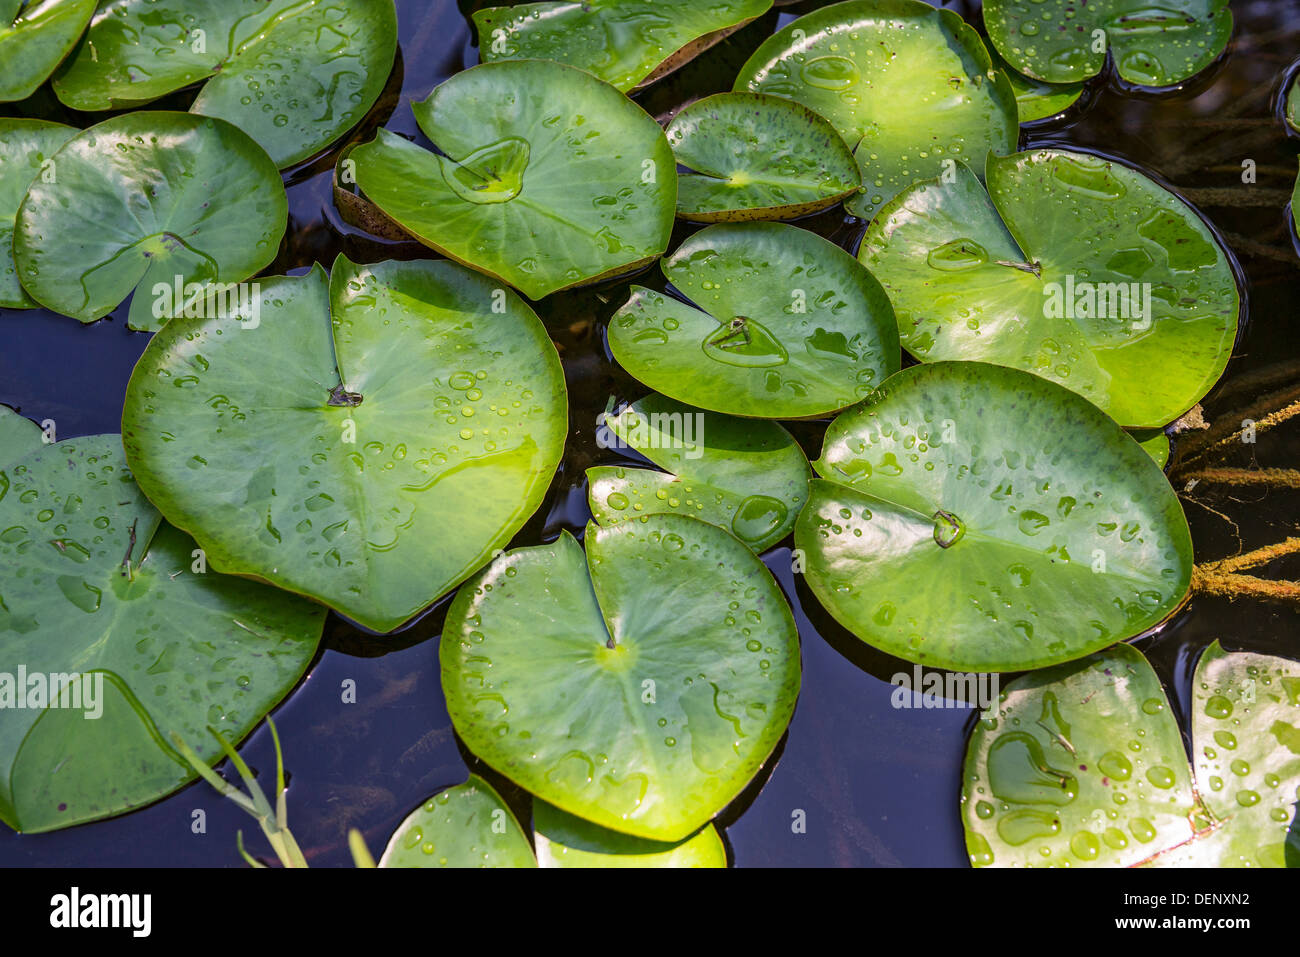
878, 786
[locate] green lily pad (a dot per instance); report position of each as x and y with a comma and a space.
563, 840
750, 478
295, 75
1059, 41
19, 436
132, 204
979, 518
465, 826
754, 156
1036, 100
1246, 750
911, 89
1080, 764
1083, 764
1155, 442
25, 148
372, 463
626, 43
1291, 108
787, 325
35, 36
1071, 266
97, 587
640, 686
567, 182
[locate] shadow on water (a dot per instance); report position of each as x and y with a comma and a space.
856, 781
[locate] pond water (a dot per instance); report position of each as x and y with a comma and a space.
877, 786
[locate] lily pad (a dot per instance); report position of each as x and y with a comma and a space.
911, 89
563, 840
1035, 99
750, 478
640, 686
1155, 442
626, 43
465, 826
26, 146
19, 436
753, 156
979, 518
1291, 107
98, 588
787, 325
144, 202
372, 463
1059, 41
1071, 266
1083, 765
566, 182
35, 36
295, 75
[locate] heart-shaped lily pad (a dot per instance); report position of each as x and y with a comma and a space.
26, 147
1083, 764
564, 182
465, 826
787, 325
35, 36
373, 463
639, 686
563, 840
911, 89
626, 43
149, 202
748, 477
979, 518
1154, 45
1035, 99
100, 596
295, 75
753, 156
1071, 266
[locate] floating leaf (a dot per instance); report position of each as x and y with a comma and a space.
753, 156
1080, 764
626, 43
373, 469
143, 202
19, 436
1155, 443
1292, 106
639, 687
1036, 100
978, 518
1059, 41
465, 826
35, 36
26, 147
1071, 266
1083, 764
909, 87
295, 75
566, 841
787, 325
750, 478
98, 590
566, 182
